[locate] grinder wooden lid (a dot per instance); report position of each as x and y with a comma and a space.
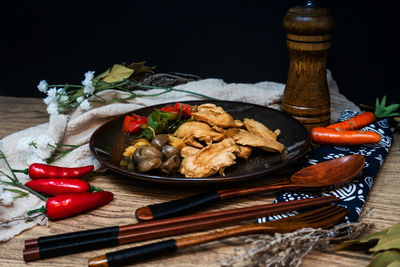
308, 20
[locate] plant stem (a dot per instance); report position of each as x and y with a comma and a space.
65, 85
95, 189
194, 93
25, 171
9, 167
7, 183
42, 209
20, 193
21, 185
169, 89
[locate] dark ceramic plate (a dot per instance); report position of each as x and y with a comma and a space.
108, 143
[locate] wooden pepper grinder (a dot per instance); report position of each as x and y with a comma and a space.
306, 96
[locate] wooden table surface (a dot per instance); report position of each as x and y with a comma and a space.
19, 113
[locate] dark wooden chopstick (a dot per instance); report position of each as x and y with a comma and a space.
324, 218
58, 245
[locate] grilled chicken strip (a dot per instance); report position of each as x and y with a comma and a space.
243, 137
215, 116
189, 131
209, 160
260, 129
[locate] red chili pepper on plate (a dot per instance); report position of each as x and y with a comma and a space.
63, 206
41, 171
186, 109
59, 186
132, 123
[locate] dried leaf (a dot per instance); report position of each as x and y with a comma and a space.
394, 264
383, 259
391, 239
140, 70
370, 237
375, 235
118, 73
386, 243
101, 76
346, 244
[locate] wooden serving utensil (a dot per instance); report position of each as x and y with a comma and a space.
57, 245
324, 217
324, 175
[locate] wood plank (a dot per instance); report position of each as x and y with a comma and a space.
19, 113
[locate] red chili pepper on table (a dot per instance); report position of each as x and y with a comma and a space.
41, 171
59, 186
63, 206
132, 123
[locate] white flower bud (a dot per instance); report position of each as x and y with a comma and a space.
85, 105
42, 86
6, 198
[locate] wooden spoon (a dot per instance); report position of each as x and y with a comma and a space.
324, 175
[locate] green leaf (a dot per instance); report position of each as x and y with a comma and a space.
383, 103
377, 105
383, 259
381, 111
392, 107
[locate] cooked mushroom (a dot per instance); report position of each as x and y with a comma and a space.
146, 152
159, 141
149, 164
169, 151
171, 164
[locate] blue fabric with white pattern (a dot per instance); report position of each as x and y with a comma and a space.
354, 194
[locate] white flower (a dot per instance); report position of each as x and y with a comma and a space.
80, 99
33, 158
51, 96
85, 105
88, 89
45, 146
62, 95
64, 99
1, 189
52, 108
23, 144
88, 84
6, 198
42, 86
88, 78
52, 92
42, 149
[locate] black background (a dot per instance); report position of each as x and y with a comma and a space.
238, 41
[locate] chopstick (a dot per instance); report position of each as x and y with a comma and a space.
64, 244
324, 217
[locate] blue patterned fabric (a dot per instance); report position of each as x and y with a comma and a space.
354, 194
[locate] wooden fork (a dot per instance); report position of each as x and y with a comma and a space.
325, 217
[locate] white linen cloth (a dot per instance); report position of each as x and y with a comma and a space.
76, 129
